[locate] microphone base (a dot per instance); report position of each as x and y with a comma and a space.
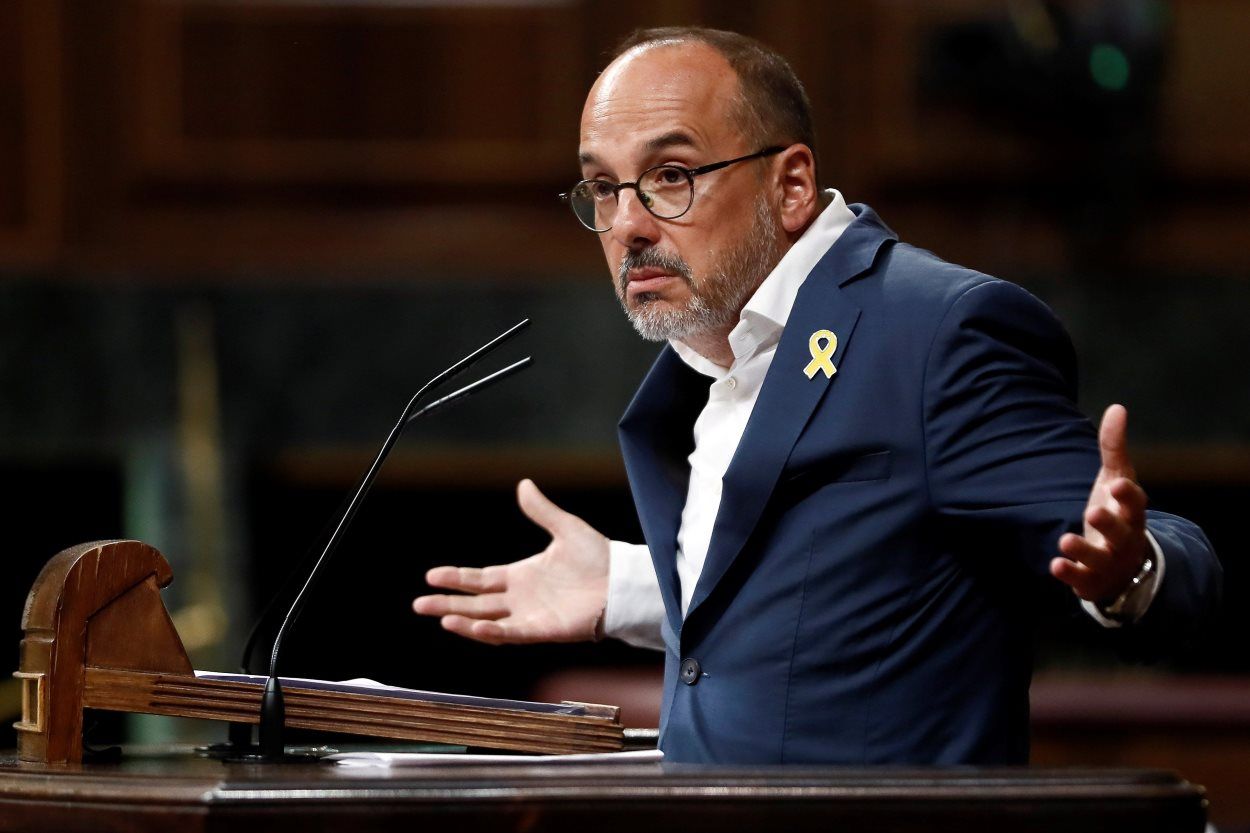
290, 755
238, 741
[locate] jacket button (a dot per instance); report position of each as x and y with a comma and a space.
690, 671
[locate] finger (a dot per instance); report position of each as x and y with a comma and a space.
468, 628
494, 633
489, 606
1075, 576
480, 630
538, 508
505, 631
1111, 524
469, 579
1080, 550
1113, 441
1132, 499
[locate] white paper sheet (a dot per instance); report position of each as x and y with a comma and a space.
395, 759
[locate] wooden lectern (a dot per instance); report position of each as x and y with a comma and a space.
96, 635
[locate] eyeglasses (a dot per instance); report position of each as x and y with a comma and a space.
667, 191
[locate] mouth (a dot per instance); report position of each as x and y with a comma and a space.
647, 279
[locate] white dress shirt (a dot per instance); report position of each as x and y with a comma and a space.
634, 606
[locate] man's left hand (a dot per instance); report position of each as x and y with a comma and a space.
1100, 564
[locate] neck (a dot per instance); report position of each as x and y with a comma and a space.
713, 346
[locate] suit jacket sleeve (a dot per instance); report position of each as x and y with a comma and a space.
1010, 460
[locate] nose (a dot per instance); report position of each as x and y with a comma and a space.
634, 227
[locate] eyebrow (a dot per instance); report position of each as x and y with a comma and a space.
674, 138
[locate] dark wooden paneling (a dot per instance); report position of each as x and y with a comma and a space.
210, 136
1196, 725
1206, 103
391, 93
30, 132
12, 120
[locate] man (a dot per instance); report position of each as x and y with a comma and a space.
857, 467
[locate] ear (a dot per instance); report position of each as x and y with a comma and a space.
800, 197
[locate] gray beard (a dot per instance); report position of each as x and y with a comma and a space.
717, 299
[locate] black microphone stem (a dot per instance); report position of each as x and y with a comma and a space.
272, 714
485, 381
459, 367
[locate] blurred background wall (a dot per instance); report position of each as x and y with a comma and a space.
235, 235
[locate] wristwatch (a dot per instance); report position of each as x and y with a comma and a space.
1119, 610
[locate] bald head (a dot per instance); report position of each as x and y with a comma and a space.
672, 94
769, 105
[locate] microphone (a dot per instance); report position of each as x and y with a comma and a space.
272, 712
258, 628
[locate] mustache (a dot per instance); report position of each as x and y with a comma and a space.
650, 258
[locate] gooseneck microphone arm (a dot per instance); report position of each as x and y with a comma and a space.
249, 645
272, 715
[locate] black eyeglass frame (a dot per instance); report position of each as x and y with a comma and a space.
690, 174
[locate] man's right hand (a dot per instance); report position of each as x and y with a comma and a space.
557, 595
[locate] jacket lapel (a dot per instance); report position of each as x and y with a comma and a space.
657, 435
788, 397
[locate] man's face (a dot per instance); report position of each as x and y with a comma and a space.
688, 276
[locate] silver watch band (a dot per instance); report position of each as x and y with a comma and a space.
1118, 608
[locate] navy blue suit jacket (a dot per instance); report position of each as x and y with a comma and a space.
868, 595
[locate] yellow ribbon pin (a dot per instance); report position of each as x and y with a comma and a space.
821, 355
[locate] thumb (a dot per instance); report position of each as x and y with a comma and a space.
538, 508
1113, 441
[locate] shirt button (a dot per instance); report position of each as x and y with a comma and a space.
690, 671
731, 383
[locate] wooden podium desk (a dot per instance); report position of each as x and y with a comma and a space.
172, 789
